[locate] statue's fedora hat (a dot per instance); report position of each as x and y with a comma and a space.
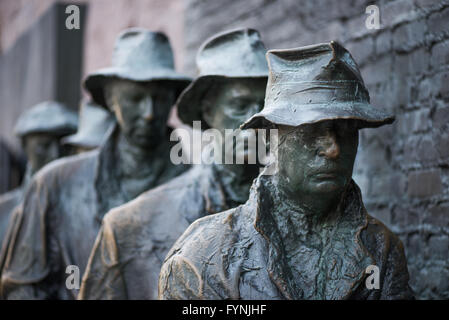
139, 55
315, 83
47, 117
230, 55
94, 123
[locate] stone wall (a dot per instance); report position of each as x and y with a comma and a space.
403, 169
105, 19
44, 63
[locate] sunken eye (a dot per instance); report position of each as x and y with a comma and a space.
346, 128
239, 111
237, 107
135, 97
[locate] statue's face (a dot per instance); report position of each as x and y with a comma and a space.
40, 149
141, 109
316, 159
230, 103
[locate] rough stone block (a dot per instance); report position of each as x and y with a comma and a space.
424, 183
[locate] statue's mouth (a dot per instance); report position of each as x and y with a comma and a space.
326, 174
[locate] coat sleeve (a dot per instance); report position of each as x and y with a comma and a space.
29, 250
194, 267
103, 278
395, 283
179, 280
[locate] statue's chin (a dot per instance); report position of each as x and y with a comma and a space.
144, 143
327, 186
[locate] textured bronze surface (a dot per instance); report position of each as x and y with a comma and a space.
62, 210
304, 233
135, 237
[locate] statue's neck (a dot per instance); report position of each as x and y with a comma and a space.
303, 217
135, 161
29, 172
237, 179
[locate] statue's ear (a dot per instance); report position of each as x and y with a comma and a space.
108, 92
23, 142
207, 101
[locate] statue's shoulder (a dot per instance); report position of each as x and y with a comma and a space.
194, 267
186, 180
378, 236
129, 218
11, 196
218, 232
68, 167
158, 215
156, 199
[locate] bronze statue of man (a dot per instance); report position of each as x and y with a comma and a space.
135, 237
94, 124
66, 201
304, 233
40, 130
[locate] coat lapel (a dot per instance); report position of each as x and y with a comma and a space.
106, 184
345, 260
279, 272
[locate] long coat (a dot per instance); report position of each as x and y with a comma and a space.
8, 202
60, 218
134, 239
238, 254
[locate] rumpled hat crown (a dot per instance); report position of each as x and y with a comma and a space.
47, 117
136, 48
234, 54
316, 83
94, 123
139, 55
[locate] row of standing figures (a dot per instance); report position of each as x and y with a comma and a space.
139, 226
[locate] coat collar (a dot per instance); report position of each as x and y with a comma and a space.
108, 189
105, 182
213, 190
343, 270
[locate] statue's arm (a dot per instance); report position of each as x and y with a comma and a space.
26, 264
103, 278
25, 292
179, 280
396, 278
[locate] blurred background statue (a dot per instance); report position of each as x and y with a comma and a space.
65, 203
40, 129
94, 125
135, 237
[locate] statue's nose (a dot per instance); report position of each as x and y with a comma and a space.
147, 108
330, 148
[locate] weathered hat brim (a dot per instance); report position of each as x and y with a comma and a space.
95, 82
296, 115
55, 131
80, 140
190, 101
